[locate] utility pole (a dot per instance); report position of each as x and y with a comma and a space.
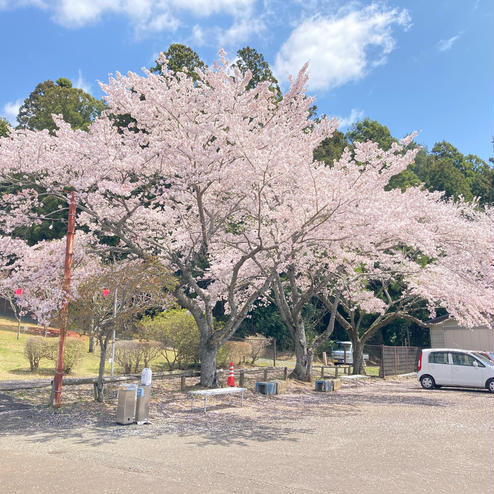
18, 292
69, 245
106, 292
113, 333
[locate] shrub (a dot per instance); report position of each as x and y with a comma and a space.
150, 350
222, 359
234, 351
74, 351
126, 355
177, 331
35, 349
133, 356
258, 343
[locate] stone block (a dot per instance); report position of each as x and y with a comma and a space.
280, 386
266, 388
323, 385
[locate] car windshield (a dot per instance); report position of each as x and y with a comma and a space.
484, 359
339, 346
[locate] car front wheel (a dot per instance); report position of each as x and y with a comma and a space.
490, 385
427, 382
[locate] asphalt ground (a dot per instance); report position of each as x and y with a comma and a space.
371, 437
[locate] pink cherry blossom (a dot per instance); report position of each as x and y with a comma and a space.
219, 183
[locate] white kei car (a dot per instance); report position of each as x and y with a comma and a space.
452, 367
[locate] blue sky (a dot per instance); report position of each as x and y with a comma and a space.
424, 65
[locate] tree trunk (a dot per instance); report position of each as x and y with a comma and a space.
208, 365
91, 337
91, 344
303, 355
358, 357
18, 328
99, 387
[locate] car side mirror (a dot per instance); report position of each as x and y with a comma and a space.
475, 363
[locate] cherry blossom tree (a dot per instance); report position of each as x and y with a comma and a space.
9, 290
450, 267
351, 202
218, 182
374, 237
38, 270
200, 185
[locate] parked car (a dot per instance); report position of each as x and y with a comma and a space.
343, 353
452, 367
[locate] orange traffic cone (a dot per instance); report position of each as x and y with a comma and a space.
231, 378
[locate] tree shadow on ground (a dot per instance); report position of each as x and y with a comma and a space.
9, 403
261, 419
26, 372
462, 390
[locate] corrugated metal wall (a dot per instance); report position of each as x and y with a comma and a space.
470, 339
467, 339
437, 338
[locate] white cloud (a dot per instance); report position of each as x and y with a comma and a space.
355, 115
145, 15
240, 31
446, 44
205, 8
81, 83
77, 13
340, 48
161, 22
10, 111
197, 35
151, 16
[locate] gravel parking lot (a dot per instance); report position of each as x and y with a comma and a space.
372, 436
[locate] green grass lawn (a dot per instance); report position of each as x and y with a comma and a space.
14, 365
372, 370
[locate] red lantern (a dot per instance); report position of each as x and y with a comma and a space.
105, 292
19, 291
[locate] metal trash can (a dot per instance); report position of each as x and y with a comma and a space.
142, 408
126, 407
143, 397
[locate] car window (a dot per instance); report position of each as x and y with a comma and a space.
483, 358
438, 358
463, 359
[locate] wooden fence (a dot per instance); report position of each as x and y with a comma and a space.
397, 360
76, 381
392, 360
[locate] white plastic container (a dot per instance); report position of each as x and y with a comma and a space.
146, 376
